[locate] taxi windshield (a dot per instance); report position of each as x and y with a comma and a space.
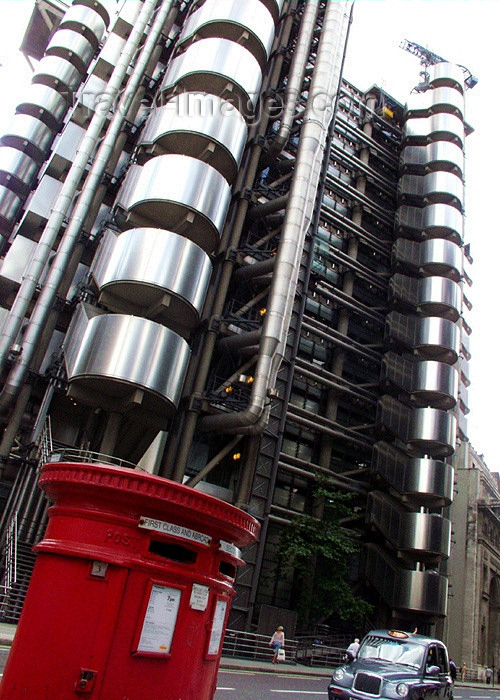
396, 651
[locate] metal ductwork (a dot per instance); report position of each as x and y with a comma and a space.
317, 116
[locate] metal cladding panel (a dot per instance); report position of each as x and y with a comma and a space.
72, 46
219, 67
154, 273
428, 431
274, 7
447, 74
430, 338
198, 125
435, 384
432, 432
431, 221
440, 155
39, 206
28, 134
464, 398
10, 206
433, 188
58, 73
443, 221
440, 296
97, 7
17, 258
462, 426
427, 382
108, 56
114, 355
444, 188
441, 257
464, 370
17, 170
179, 193
88, 100
86, 21
421, 481
427, 533
44, 103
64, 149
438, 127
441, 99
122, 24
248, 23
424, 592
424, 535
430, 257
429, 296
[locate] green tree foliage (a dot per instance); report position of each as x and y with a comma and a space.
319, 550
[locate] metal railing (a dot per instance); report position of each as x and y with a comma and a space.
307, 651
316, 653
9, 559
247, 645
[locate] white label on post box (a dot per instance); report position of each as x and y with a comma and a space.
217, 627
172, 529
99, 568
159, 621
199, 597
229, 548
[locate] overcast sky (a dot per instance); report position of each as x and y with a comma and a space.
461, 31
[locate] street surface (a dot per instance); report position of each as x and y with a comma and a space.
276, 685
248, 685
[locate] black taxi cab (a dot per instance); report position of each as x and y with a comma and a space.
394, 664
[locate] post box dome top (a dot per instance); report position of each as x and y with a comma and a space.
134, 493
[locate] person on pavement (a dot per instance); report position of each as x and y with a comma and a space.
352, 650
277, 642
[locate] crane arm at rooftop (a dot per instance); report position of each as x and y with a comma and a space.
429, 58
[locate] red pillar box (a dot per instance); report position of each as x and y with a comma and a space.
130, 592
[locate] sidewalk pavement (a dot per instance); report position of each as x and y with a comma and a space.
230, 663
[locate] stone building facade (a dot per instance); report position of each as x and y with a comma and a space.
472, 628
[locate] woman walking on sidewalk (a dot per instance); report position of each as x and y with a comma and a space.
277, 642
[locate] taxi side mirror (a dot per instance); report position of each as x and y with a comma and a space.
432, 671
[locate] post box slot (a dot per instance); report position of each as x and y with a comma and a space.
227, 569
174, 552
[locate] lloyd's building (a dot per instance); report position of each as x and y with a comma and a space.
223, 264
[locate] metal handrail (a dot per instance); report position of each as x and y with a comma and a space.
248, 645
62, 453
